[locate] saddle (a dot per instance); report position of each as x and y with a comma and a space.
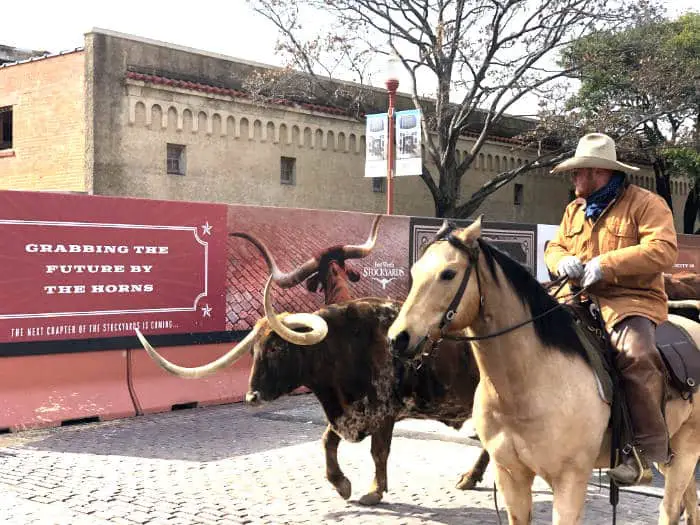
678, 351
681, 357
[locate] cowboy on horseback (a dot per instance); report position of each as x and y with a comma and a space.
616, 240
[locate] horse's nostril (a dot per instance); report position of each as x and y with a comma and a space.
400, 343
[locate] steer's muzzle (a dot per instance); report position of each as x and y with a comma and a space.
252, 398
399, 345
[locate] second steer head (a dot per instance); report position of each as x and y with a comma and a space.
327, 271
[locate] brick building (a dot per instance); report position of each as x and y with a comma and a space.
129, 116
42, 123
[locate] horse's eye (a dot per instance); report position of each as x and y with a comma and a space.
447, 275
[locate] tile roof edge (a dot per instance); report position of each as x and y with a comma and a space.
208, 88
42, 57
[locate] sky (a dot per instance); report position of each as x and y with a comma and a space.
228, 27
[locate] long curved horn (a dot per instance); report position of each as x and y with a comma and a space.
225, 360
285, 327
285, 280
353, 251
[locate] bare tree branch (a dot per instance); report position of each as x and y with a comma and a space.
475, 58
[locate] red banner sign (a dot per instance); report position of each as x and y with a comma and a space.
76, 267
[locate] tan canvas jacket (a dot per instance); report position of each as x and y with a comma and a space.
636, 239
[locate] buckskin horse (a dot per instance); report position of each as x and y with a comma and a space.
538, 409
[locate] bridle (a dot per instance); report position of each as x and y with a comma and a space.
472, 252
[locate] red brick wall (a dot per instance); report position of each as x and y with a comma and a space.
48, 105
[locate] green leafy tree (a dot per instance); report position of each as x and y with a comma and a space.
469, 62
641, 85
686, 161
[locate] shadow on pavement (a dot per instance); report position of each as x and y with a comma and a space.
457, 514
656, 488
200, 434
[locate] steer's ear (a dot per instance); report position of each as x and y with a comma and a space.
353, 275
313, 283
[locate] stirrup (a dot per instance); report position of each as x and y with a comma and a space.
645, 473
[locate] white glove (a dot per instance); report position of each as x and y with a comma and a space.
571, 267
593, 272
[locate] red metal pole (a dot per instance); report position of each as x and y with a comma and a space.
392, 85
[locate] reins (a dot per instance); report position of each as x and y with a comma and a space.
516, 326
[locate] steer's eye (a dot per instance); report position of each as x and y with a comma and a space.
447, 275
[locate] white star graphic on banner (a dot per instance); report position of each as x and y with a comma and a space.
206, 228
206, 311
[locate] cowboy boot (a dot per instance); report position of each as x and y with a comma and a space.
634, 469
643, 381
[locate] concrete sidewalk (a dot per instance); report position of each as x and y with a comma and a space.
231, 464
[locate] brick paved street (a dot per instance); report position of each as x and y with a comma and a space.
233, 464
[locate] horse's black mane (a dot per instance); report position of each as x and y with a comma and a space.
554, 329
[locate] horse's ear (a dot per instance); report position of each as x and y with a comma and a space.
472, 232
477, 223
446, 226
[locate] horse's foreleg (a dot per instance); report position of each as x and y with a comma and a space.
333, 472
516, 486
690, 501
680, 476
381, 444
569, 497
470, 478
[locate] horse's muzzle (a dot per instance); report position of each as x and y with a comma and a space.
398, 346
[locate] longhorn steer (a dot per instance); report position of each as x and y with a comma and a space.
360, 387
329, 272
683, 291
682, 286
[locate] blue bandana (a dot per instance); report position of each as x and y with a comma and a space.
599, 200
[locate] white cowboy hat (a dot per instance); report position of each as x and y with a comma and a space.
594, 150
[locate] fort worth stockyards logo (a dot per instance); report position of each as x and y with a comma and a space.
383, 272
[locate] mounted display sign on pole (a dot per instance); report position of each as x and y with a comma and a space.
376, 153
409, 159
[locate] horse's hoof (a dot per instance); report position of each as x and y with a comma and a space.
467, 481
371, 498
344, 488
